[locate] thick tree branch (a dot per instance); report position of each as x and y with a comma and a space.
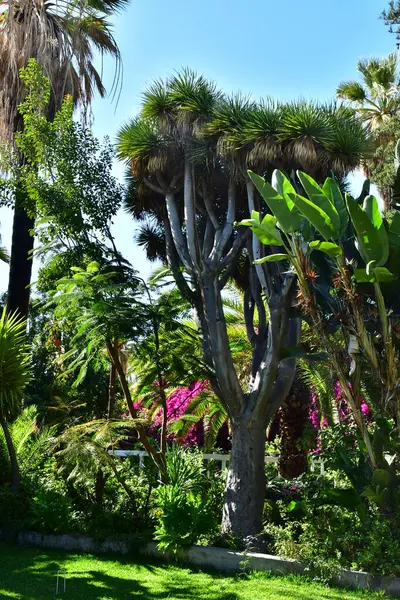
175, 265
286, 371
190, 216
208, 203
225, 372
256, 244
249, 307
176, 231
228, 262
153, 187
219, 248
208, 241
265, 376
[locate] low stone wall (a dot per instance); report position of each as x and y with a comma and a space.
221, 559
79, 543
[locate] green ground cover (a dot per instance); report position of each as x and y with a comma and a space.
30, 574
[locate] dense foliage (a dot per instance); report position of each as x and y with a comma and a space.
271, 328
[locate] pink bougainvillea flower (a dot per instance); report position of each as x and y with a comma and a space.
365, 408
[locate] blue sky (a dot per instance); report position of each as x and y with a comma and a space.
284, 49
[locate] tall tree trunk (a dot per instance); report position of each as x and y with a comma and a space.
112, 385
15, 475
245, 483
99, 487
20, 260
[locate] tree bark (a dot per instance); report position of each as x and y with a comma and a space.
15, 474
20, 260
111, 388
99, 487
128, 398
245, 483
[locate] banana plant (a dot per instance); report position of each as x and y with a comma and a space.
321, 220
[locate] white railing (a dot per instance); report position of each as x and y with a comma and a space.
222, 458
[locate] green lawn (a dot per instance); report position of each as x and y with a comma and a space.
30, 574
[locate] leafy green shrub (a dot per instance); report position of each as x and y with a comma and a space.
13, 507
329, 538
189, 504
182, 518
52, 512
185, 468
379, 549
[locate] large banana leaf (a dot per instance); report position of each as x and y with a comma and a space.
271, 258
329, 248
379, 274
332, 191
278, 205
368, 238
318, 197
284, 188
372, 209
316, 215
266, 230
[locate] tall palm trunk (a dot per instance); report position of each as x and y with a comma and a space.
20, 260
15, 474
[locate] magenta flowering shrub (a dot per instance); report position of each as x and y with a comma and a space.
344, 413
315, 412
344, 410
177, 403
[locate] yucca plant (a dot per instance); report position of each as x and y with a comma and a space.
14, 377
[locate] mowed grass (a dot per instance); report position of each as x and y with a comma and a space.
30, 574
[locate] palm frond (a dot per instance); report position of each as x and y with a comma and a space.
14, 363
4, 255
31, 442
151, 238
318, 378
229, 117
62, 38
350, 144
157, 103
260, 131
352, 91
142, 144
193, 93
207, 408
381, 71
304, 120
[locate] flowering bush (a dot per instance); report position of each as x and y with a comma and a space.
177, 403
343, 410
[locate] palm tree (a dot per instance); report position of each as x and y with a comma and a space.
63, 38
377, 97
15, 375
